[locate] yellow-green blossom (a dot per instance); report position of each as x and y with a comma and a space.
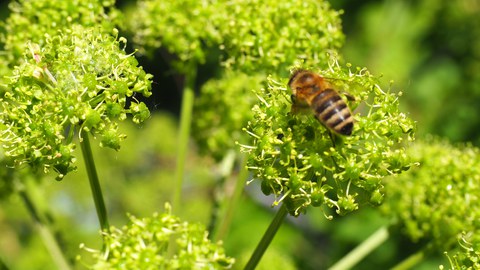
79, 80
298, 161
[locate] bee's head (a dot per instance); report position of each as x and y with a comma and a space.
301, 78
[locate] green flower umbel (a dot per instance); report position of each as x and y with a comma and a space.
439, 201
298, 161
31, 20
279, 33
78, 81
144, 244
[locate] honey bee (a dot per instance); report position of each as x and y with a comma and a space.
314, 92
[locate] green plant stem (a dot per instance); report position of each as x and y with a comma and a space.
365, 248
94, 182
226, 221
183, 140
185, 123
47, 236
267, 238
224, 171
410, 261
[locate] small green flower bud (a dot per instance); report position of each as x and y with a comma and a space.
111, 138
140, 112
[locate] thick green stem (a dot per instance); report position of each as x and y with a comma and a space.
365, 248
47, 236
233, 202
94, 182
183, 139
185, 123
3, 265
411, 261
267, 238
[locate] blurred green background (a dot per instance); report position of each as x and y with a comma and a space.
430, 50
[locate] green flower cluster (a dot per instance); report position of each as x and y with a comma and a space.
169, 24
30, 20
298, 161
440, 199
78, 80
253, 35
144, 244
223, 108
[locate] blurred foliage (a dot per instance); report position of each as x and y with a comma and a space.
35, 20
248, 43
223, 107
137, 181
439, 200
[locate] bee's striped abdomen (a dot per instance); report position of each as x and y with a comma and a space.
332, 111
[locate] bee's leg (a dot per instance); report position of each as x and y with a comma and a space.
294, 108
332, 138
336, 139
293, 98
348, 96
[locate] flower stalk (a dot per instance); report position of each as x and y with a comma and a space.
267, 238
365, 248
42, 228
184, 134
94, 182
410, 261
232, 203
